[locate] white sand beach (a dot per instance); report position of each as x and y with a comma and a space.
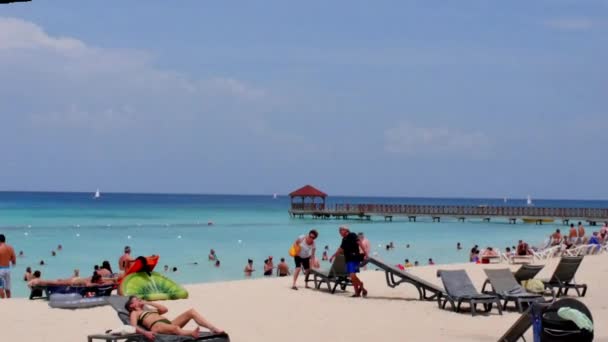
268, 310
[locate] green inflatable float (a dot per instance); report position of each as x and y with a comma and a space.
151, 287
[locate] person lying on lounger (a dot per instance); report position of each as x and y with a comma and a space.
93, 281
149, 315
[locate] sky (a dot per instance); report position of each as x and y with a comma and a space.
383, 98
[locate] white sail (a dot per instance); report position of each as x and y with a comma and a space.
274, 196
529, 200
97, 194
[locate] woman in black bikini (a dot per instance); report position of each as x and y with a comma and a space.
149, 315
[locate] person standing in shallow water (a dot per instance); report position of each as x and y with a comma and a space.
249, 268
267, 268
282, 268
125, 260
350, 247
306, 253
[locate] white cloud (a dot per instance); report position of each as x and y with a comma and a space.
408, 139
69, 83
571, 24
20, 34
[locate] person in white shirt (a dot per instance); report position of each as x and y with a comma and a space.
307, 252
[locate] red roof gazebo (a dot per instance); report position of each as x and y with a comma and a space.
305, 192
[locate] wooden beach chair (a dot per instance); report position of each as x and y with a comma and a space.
118, 303
527, 272
503, 284
459, 289
335, 275
563, 277
426, 290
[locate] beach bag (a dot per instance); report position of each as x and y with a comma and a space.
534, 285
567, 320
294, 250
557, 329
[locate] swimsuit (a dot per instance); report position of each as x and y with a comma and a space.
140, 320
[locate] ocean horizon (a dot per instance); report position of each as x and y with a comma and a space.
175, 226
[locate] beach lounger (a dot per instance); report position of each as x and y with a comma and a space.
426, 290
45, 291
527, 272
549, 252
118, 303
563, 277
459, 289
583, 250
505, 286
521, 259
335, 275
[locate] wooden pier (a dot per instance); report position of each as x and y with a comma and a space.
309, 201
437, 212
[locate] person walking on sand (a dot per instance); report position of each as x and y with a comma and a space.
306, 253
350, 247
7, 257
125, 260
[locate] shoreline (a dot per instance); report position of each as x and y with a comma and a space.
266, 309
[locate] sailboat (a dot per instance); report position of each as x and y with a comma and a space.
97, 194
535, 219
274, 196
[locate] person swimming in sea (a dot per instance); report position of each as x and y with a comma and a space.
28, 274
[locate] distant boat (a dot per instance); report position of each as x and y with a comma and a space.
529, 201
274, 196
97, 194
505, 199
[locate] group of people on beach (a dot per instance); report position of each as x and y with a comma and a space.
576, 236
354, 247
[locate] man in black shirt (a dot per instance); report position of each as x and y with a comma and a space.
351, 247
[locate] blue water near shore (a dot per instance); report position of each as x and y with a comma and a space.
175, 227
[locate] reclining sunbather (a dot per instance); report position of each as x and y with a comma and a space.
149, 316
73, 281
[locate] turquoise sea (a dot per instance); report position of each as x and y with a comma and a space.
175, 227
